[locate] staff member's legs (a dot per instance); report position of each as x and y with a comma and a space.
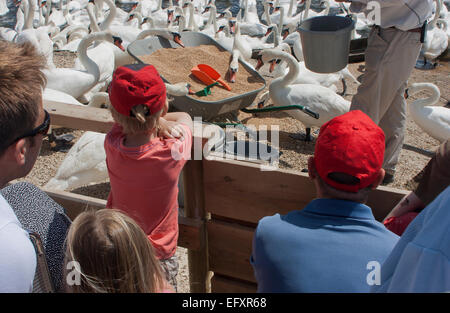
390, 58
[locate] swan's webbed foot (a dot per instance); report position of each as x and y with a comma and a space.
303, 137
425, 65
344, 88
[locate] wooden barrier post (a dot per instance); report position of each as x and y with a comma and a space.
194, 207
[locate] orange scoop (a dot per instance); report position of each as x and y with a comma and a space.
208, 75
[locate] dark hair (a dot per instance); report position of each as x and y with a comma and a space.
21, 85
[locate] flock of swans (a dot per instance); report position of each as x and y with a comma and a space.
99, 32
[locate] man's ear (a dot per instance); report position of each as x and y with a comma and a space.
311, 168
18, 151
379, 179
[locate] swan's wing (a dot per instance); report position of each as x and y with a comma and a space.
85, 154
318, 99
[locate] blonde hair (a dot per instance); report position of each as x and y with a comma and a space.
140, 122
113, 253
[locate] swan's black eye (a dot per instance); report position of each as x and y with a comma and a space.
117, 39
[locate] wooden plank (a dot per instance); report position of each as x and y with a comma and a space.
241, 191
190, 229
225, 284
73, 203
194, 208
229, 249
383, 199
79, 117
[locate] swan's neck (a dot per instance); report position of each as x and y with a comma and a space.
212, 17
246, 11
112, 14
93, 19
266, 13
291, 8
139, 18
276, 35
182, 23
192, 24
430, 100
88, 63
49, 11
307, 7
154, 32
60, 5
436, 14
294, 69
29, 9
159, 7
280, 23
327, 7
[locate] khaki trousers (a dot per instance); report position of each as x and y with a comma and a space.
390, 57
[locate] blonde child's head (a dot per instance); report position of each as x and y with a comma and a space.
113, 253
138, 98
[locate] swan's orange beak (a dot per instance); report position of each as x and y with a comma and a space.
273, 63
232, 26
177, 39
134, 6
259, 63
118, 43
269, 30
43, 3
169, 16
232, 76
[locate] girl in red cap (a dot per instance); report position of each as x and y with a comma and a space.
140, 154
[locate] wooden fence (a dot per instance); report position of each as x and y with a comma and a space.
224, 200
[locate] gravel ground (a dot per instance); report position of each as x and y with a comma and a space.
414, 156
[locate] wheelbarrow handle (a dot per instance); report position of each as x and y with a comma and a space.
284, 108
311, 113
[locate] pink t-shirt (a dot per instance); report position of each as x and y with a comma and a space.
144, 184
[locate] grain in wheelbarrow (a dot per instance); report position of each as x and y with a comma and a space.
175, 66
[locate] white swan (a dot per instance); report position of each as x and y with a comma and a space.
436, 39
74, 82
3, 7
319, 99
251, 25
84, 164
241, 44
98, 99
211, 28
434, 120
178, 89
225, 40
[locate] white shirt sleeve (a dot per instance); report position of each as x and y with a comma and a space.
17, 260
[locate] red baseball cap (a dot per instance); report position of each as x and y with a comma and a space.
137, 84
351, 144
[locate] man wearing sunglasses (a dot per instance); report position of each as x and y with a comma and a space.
23, 125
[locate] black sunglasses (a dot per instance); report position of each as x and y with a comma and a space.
41, 129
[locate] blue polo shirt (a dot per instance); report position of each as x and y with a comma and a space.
326, 247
